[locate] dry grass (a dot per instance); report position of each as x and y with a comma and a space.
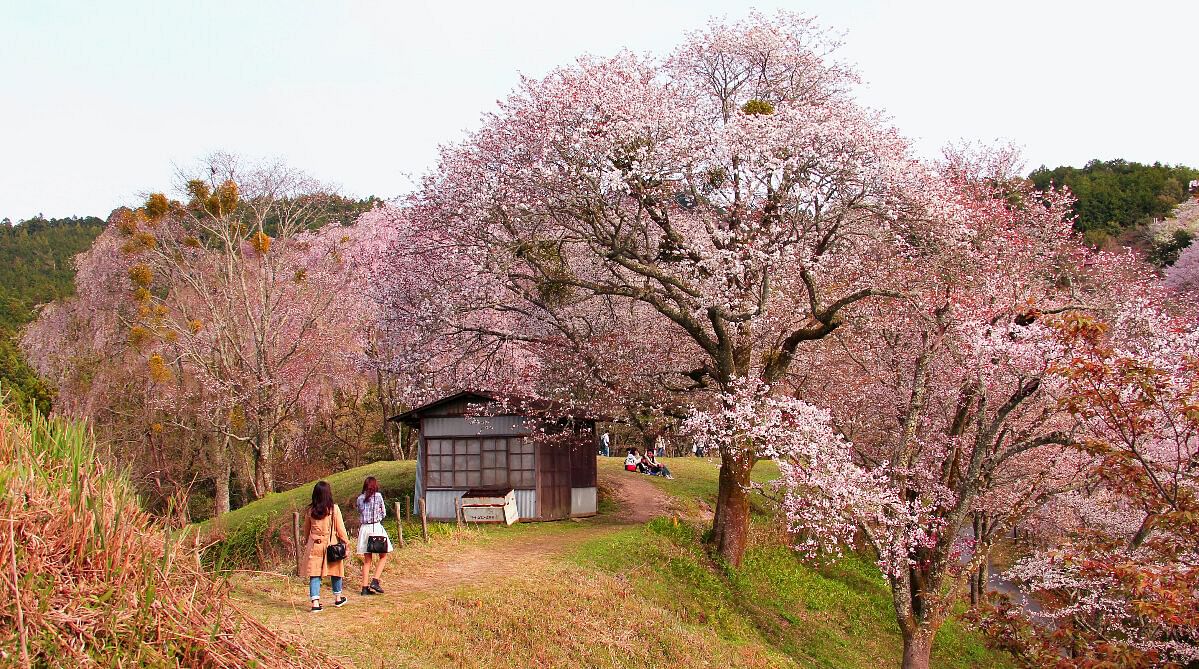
91, 580
541, 614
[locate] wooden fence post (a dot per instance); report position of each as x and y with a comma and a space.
424, 521
399, 524
295, 536
458, 511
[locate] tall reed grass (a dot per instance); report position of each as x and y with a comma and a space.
89, 579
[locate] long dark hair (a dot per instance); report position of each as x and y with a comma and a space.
322, 500
369, 487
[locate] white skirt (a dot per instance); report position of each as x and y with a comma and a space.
371, 530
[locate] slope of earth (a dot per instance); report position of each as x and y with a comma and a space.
631, 587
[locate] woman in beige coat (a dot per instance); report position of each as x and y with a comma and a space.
323, 525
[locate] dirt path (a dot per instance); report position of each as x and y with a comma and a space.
639, 501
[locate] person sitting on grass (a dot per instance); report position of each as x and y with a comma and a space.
653, 467
632, 461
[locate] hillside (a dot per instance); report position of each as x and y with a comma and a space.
35, 268
610, 591
91, 580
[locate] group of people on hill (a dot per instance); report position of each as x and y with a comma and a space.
327, 541
646, 463
659, 448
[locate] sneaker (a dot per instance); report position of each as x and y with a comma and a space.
340, 601
316, 609
366, 591
376, 586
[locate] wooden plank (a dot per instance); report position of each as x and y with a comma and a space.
553, 480
399, 523
295, 535
582, 462
424, 522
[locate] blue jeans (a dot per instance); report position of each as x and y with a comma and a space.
314, 586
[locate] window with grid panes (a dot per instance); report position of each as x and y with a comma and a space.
495, 462
520, 464
472, 462
454, 463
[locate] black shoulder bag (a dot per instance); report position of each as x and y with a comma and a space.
334, 552
376, 544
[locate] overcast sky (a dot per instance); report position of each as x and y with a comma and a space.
100, 101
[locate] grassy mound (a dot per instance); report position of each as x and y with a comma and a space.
259, 533
836, 615
89, 579
396, 479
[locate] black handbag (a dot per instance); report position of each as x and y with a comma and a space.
334, 552
376, 544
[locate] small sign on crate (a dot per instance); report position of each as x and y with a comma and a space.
490, 505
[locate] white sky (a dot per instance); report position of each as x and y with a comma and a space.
99, 102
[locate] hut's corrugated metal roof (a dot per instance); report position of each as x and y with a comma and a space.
412, 416
516, 406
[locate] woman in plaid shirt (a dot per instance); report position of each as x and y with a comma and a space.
371, 512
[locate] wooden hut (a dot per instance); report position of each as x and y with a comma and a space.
472, 440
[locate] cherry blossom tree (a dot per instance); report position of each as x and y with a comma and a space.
1183, 275
1122, 584
259, 312
238, 312
943, 426
83, 345
730, 201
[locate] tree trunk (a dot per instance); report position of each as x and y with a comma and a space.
978, 585
978, 580
1143, 531
917, 649
393, 432
264, 473
221, 483
730, 527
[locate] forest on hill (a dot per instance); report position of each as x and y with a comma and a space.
1116, 199
36, 267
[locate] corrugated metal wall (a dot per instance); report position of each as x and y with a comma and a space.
439, 504
462, 426
526, 503
583, 501
420, 477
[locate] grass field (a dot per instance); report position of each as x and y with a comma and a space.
396, 478
601, 593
